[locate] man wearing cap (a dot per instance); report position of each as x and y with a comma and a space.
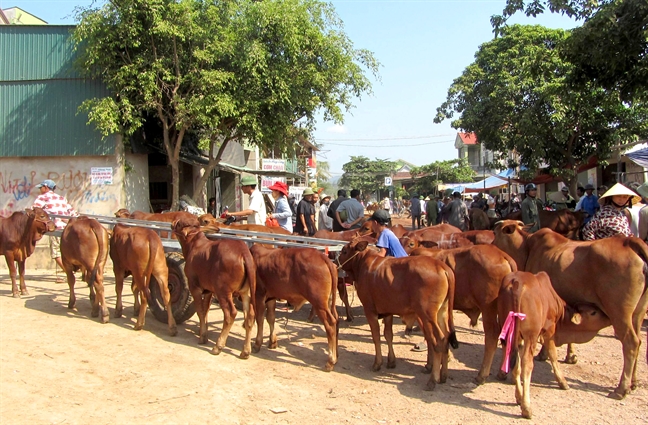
305, 224
530, 207
354, 211
325, 222
588, 203
256, 211
337, 225
456, 212
53, 203
282, 212
431, 212
388, 243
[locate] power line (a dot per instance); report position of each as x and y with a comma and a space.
388, 138
387, 146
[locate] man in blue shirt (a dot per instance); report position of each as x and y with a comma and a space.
588, 203
388, 243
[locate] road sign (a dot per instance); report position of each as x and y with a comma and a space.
388, 181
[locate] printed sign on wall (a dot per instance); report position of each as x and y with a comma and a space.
101, 175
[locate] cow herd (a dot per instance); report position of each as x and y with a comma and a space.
528, 288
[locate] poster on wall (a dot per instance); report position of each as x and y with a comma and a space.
101, 175
266, 182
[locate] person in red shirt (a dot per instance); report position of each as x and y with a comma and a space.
54, 203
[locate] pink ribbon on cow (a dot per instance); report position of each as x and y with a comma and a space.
507, 335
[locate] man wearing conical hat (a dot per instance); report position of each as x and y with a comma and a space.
612, 219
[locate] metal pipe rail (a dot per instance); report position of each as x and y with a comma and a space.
250, 237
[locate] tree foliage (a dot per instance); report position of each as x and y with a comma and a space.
610, 48
517, 96
428, 177
366, 175
224, 70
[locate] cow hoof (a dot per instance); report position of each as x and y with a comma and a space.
527, 413
430, 385
94, 313
138, 327
391, 365
256, 348
614, 395
443, 379
244, 355
16, 295
118, 314
202, 340
173, 331
272, 345
541, 357
349, 319
563, 385
105, 319
634, 385
573, 359
24, 292
501, 376
427, 369
479, 380
375, 367
216, 351
328, 367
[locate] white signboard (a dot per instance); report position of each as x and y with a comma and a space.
297, 192
101, 175
266, 182
388, 181
268, 164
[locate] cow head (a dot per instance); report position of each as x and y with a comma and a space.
368, 227
350, 251
184, 227
42, 221
122, 213
510, 237
208, 220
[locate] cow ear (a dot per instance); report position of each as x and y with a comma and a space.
507, 229
30, 212
210, 228
361, 246
429, 244
576, 318
527, 227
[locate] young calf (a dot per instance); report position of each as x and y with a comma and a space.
296, 275
530, 309
410, 287
139, 252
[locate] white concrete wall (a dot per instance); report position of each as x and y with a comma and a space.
136, 183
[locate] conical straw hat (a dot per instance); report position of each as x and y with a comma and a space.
619, 189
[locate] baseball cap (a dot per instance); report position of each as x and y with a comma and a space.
381, 216
49, 183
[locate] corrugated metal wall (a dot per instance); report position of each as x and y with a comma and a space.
40, 94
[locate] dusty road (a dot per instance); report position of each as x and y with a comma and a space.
64, 367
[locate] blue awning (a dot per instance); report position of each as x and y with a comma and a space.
639, 157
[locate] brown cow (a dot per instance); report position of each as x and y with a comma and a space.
399, 230
218, 267
413, 240
296, 275
84, 246
18, 236
546, 316
139, 252
478, 219
365, 231
566, 222
478, 237
478, 271
412, 287
608, 273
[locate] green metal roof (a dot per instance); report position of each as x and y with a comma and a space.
40, 93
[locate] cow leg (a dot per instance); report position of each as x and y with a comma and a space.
270, 317
330, 326
11, 264
101, 298
630, 341
344, 296
71, 278
197, 294
527, 370
136, 298
553, 358
260, 315
516, 378
389, 336
434, 354
21, 273
229, 314
138, 283
442, 321
491, 333
248, 323
372, 318
543, 355
638, 318
570, 357
119, 288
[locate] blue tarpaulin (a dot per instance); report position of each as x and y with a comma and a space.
639, 157
491, 182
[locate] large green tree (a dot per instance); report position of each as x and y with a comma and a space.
517, 96
610, 48
237, 70
365, 174
428, 177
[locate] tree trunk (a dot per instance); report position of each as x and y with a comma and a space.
213, 163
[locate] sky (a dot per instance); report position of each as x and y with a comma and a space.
422, 47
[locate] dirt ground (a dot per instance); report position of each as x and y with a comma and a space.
64, 367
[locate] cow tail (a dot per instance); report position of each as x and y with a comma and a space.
250, 272
100, 234
511, 262
149, 269
334, 279
516, 289
452, 337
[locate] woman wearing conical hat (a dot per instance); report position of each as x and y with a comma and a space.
612, 219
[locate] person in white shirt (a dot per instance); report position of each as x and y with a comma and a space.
256, 211
325, 222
